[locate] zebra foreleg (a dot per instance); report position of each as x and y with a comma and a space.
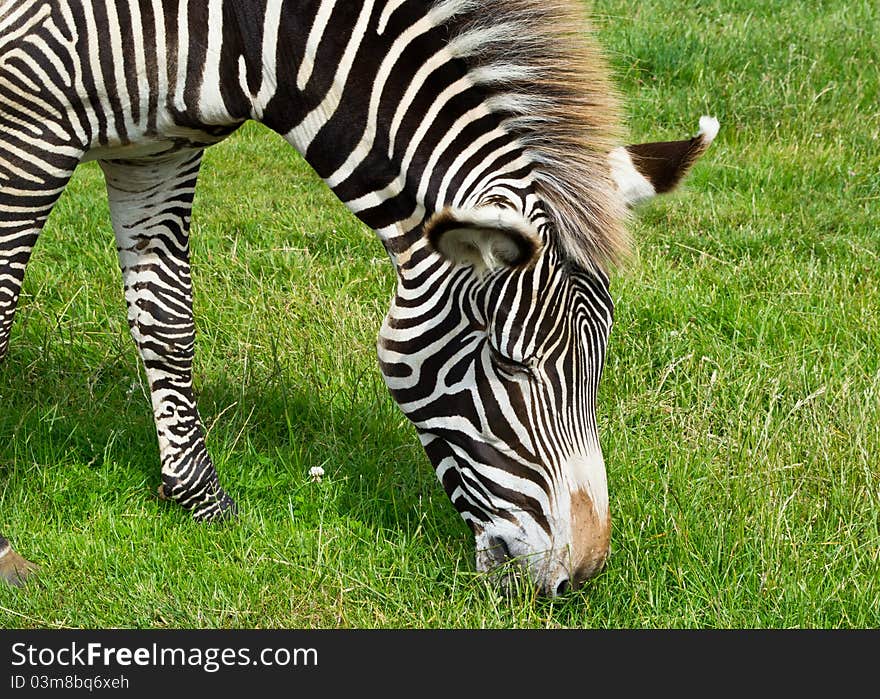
150, 205
28, 191
15, 251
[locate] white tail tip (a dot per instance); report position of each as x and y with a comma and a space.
708, 128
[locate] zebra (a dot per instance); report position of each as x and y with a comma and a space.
480, 140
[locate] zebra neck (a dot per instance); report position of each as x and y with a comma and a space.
384, 112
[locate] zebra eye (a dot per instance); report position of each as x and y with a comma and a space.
506, 364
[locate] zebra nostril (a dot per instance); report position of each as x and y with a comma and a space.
499, 548
562, 587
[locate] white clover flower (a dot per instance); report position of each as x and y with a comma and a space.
316, 472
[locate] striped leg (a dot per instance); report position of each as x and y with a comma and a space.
150, 204
28, 191
30, 184
15, 251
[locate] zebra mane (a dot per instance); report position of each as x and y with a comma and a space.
546, 71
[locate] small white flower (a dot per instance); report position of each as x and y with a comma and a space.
316, 472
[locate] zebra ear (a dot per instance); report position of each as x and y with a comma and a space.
644, 170
487, 237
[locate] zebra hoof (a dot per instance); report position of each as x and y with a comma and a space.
14, 569
220, 510
221, 507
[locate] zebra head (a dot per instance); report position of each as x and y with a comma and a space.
493, 347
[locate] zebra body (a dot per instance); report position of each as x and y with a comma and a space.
473, 137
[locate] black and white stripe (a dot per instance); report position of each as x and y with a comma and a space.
441, 125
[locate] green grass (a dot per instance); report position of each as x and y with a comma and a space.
739, 410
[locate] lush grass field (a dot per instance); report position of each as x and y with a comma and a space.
740, 408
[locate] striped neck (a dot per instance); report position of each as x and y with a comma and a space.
378, 101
